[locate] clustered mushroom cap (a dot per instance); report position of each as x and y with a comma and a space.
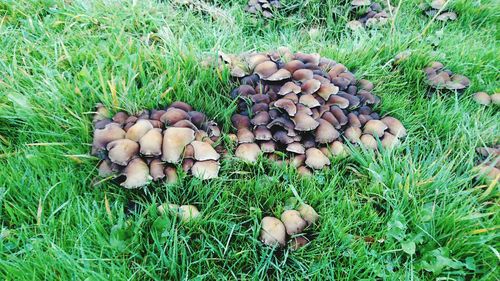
185, 212
440, 78
436, 7
483, 98
263, 7
317, 106
374, 15
147, 146
489, 165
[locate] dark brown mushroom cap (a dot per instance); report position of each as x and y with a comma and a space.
311, 86
375, 128
296, 243
353, 134
156, 169
353, 121
367, 97
287, 105
188, 152
258, 107
151, 142
187, 164
369, 141
315, 159
240, 121
137, 174
326, 133
296, 147
197, 118
185, 124
258, 98
102, 137
395, 126
101, 124
308, 58
268, 146
265, 69
204, 151
339, 114
273, 232
309, 101
181, 105
336, 70
304, 122
174, 115
245, 135
261, 118
282, 137
262, 133
293, 222
121, 118
174, 141
341, 82
205, 170
156, 114
363, 119
289, 87
282, 122
302, 74
248, 152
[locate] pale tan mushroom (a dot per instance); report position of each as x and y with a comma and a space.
327, 90
369, 141
122, 151
204, 151
353, 134
375, 128
102, 137
308, 213
315, 159
304, 171
188, 213
174, 141
273, 232
389, 141
326, 133
248, 152
304, 122
156, 169
151, 142
205, 170
171, 173
309, 101
165, 207
395, 126
482, 98
137, 131
137, 173
174, 115
296, 147
293, 222
245, 135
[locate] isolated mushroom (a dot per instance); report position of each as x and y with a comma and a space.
205, 170
137, 174
174, 141
272, 232
482, 98
293, 222
248, 152
188, 213
315, 159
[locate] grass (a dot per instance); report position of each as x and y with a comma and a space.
428, 216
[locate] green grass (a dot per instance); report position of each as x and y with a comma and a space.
58, 58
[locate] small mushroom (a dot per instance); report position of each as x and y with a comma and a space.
304, 122
353, 134
482, 98
205, 170
261, 118
174, 141
262, 133
389, 141
122, 151
327, 90
165, 207
298, 242
137, 174
188, 213
122, 118
337, 148
151, 142
308, 213
289, 87
105, 169
287, 105
304, 171
268, 146
156, 170
171, 174
311, 86
296, 147
315, 159
272, 232
495, 99
174, 115
326, 133
376, 128
248, 152
102, 137
181, 105
266, 69
395, 126
293, 222
204, 151
298, 160
293, 66
187, 164
338, 100
185, 124
245, 135
279, 75
309, 101
282, 137
369, 141
303, 75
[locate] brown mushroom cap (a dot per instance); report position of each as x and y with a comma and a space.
395, 126
337, 148
292, 96
389, 141
304, 171
105, 169
369, 141
266, 69
495, 98
326, 133
309, 101
293, 66
204, 151
137, 173
141, 127
174, 141
261, 118
308, 213
315, 159
156, 170
279, 75
289, 87
262, 133
353, 134
296, 147
482, 98
293, 222
375, 127
303, 74
297, 242
245, 135
102, 137
185, 124
273, 232
287, 105
174, 115
311, 86
121, 117
122, 151
181, 105
255, 60
205, 170
187, 164
327, 90
304, 122
248, 152
188, 213
298, 160
240, 121
353, 121
338, 100
151, 142
268, 146
282, 137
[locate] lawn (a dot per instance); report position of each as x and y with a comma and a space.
413, 213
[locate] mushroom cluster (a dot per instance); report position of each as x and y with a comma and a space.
305, 105
291, 224
489, 164
148, 145
438, 77
264, 7
184, 212
373, 15
483, 98
434, 8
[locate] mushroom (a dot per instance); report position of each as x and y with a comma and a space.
298, 242
248, 152
311, 86
327, 90
205, 170
495, 99
369, 141
105, 169
188, 213
303, 75
156, 169
337, 148
204, 151
326, 133
293, 66
309, 101
151, 142
298, 160
174, 115
289, 87
268, 146
262, 133
122, 118
185, 124
141, 127
315, 159
308, 213
482, 98
137, 174
304, 122
266, 69
102, 137
293, 222
353, 134
376, 128
174, 141
287, 105
181, 105
296, 147
163, 208
389, 141
261, 118
272, 232
122, 151
304, 171
395, 126
245, 135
